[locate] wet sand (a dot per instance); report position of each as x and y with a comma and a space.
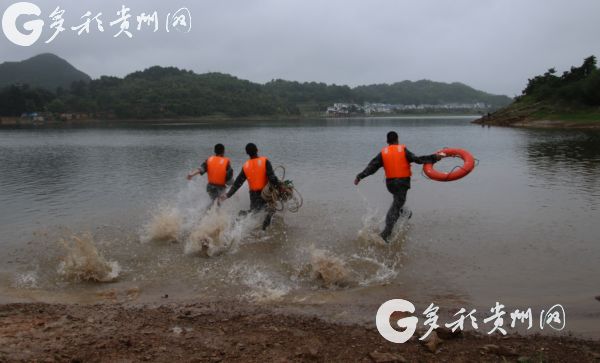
223, 331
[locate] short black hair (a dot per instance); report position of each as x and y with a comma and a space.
251, 149
219, 149
392, 137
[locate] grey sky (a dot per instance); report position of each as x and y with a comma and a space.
492, 45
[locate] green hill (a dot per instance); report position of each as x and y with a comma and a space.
428, 92
406, 92
168, 92
45, 71
568, 100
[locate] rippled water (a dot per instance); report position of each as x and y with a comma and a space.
521, 229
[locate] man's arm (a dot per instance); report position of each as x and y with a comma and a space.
239, 181
229, 175
271, 175
373, 166
199, 171
426, 159
203, 168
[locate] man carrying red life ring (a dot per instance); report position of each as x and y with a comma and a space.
395, 160
219, 171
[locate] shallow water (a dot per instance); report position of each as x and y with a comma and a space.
521, 229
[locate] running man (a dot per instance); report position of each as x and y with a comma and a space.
219, 171
259, 172
395, 160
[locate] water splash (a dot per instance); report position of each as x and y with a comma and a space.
328, 269
378, 261
208, 237
27, 280
262, 286
219, 231
371, 222
83, 262
375, 271
370, 229
205, 228
164, 226
370, 266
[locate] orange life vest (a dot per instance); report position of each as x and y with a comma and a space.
217, 170
394, 162
256, 173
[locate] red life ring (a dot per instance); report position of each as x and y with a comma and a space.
456, 173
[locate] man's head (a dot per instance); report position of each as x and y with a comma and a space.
251, 150
392, 137
219, 149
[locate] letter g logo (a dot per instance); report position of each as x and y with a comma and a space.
409, 324
9, 24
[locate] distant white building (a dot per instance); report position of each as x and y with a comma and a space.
342, 109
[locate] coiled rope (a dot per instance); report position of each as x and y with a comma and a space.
284, 197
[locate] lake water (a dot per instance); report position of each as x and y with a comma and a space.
521, 229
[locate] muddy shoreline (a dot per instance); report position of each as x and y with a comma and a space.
219, 331
531, 115
182, 121
535, 123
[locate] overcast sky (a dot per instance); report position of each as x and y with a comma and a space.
492, 45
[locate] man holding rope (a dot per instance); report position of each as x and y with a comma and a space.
259, 172
395, 160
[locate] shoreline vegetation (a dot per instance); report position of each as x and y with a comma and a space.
18, 121
218, 332
571, 100
172, 93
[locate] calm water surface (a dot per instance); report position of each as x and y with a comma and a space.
522, 229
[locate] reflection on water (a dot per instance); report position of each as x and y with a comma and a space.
500, 234
566, 159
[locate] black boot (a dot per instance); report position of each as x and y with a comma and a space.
385, 235
267, 221
406, 213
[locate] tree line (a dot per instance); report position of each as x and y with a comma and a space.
165, 92
579, 85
